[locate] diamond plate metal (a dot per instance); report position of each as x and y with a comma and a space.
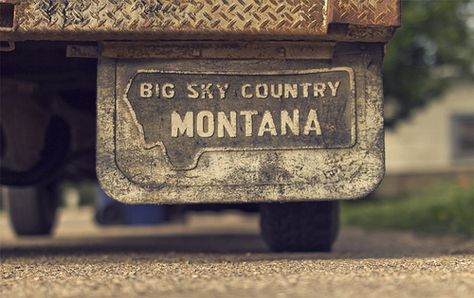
296, 16
367, 12
177, 19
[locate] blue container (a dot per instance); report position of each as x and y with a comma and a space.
112, 212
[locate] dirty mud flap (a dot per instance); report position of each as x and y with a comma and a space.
246, 129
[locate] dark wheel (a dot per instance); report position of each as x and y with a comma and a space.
300, 226
32, 209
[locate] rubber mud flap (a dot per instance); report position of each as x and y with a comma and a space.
245, 130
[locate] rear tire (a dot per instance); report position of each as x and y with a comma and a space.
300, 226
32, 210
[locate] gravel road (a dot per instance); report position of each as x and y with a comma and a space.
222, 256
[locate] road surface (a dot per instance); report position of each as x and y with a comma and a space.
222, 256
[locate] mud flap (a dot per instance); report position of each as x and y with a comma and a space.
307, 125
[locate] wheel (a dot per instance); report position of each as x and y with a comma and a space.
32, 209
300, 226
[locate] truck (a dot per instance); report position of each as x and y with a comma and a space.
275, 103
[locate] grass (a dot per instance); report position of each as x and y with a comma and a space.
444, 209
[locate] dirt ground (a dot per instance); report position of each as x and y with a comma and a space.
222, 255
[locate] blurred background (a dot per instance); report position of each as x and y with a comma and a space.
429, 120
429, 140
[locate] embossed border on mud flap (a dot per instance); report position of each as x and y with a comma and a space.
198, 154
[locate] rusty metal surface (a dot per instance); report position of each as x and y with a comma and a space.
145, 19
111, 16
140, 158
219, 50
366, 12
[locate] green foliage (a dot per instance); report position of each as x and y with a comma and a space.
433, 48
446, 209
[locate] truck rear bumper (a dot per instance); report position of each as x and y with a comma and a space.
92, 20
